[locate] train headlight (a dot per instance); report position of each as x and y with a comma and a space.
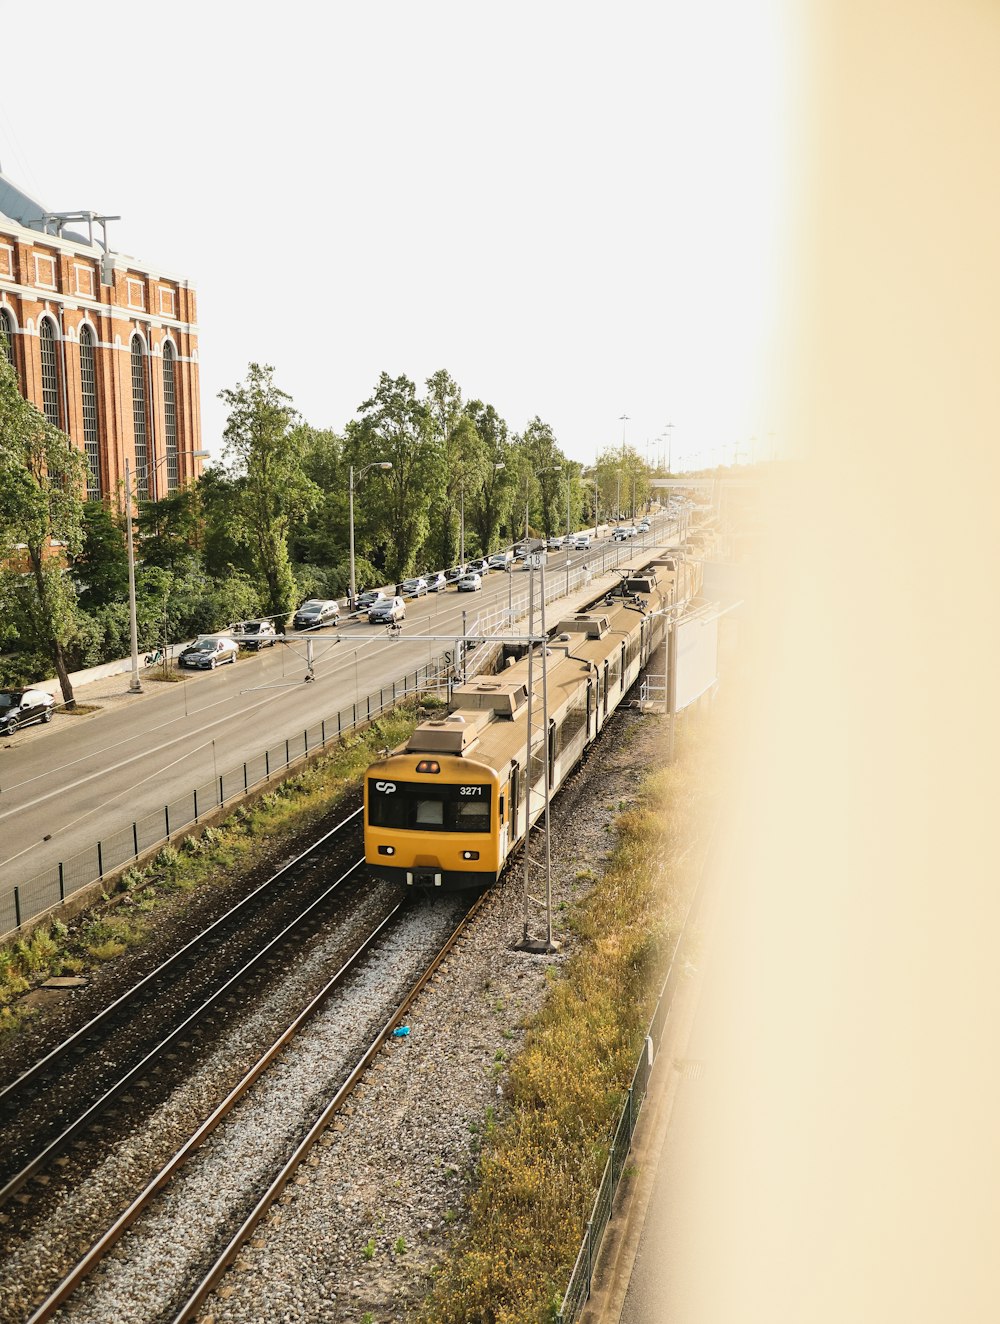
428, 765
470, 855
387, 850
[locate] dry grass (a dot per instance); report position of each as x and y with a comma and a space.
540, 1170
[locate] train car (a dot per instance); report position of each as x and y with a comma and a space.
447, 809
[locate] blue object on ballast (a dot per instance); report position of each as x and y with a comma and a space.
401, 1031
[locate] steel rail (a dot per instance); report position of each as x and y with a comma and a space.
61, 1049
228, 1255
127, 1218
90, 1114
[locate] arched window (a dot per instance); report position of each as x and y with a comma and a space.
88, 393
139, 417
50, 371
7, 337
170, 415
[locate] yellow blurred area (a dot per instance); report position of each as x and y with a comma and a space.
848, 1168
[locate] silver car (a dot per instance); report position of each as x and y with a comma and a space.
386, 611
470, 583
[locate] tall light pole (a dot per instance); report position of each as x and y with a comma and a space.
596, 472
375, 464
621, 463
135, 685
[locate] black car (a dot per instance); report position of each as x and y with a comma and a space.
317, 611
21, 707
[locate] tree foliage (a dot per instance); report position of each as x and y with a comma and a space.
264, 449
270, 526
42, 481
395, 426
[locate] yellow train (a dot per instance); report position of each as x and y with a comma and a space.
447, 809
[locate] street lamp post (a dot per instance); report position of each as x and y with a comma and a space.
375, 464
621, 464
135, 686
596, 472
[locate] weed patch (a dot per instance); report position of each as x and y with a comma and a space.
539, 1170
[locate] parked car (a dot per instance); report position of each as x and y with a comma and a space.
501, 560
261, 634
368, 599
582, 542
470, 583
387, 610
643, 526
22, 707
436, 582
479, 565
209, 651
315, 612
554, 543
455, 573
414, 587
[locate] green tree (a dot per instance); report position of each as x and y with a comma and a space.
496, 489
173, 527
395, 426
42, 479
455, 443
264, 453
319, 538
101, 569
542, 462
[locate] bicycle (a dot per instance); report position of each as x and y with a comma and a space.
152, 658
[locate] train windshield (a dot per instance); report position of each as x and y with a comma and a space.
419, 807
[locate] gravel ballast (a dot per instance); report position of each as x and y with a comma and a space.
365, 1229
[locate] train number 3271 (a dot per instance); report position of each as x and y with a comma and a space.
470, 790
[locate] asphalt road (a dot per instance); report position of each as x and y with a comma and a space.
73, 782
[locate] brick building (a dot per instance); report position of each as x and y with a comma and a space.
105, 346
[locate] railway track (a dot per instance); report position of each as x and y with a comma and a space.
68, 1091
254, 1140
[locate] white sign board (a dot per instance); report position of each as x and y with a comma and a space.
697, 658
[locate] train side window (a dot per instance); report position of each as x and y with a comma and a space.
502, 800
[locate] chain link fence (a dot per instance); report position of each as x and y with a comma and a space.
24, 901
581, 1279
27, 899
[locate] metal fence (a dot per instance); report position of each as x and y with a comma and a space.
24, 901
578, 1291
28, 899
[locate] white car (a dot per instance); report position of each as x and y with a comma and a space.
501, 560
414, 587
554, 543
470, 583
435, 583
582, 542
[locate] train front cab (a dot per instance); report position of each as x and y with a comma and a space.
434, 821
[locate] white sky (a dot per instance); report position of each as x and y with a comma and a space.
576, 209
